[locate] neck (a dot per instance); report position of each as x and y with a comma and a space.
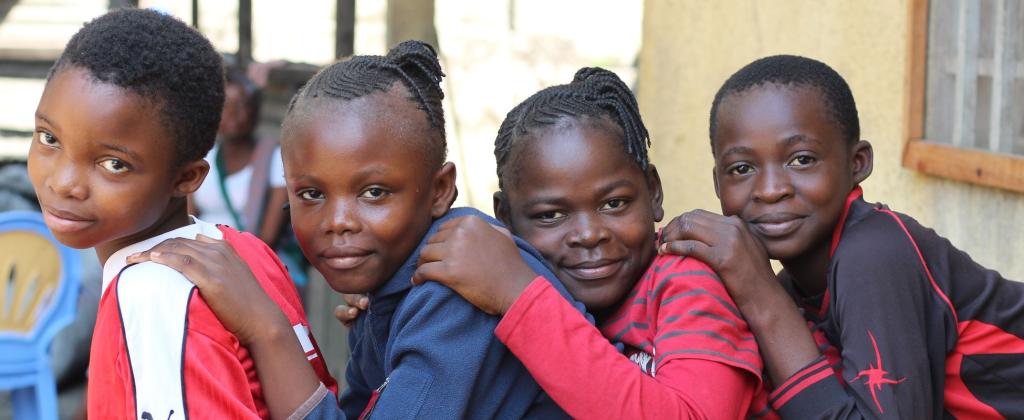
810, 270
174, 217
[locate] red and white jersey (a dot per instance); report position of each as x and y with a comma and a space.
159, 352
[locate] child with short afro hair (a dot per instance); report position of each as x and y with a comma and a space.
128, 112
910, 326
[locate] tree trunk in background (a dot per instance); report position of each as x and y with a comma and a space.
411, 19
120, 4
244, 55
5, 7
344, 28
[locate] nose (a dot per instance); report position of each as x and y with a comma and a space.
341, 219
588, 232
67, 180
773, 186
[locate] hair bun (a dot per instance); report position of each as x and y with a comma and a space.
593, 74
417, 55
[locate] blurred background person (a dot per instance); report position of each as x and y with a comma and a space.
245, 188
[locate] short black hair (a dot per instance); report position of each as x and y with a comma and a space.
412, 63
593, 93
162, 60
795, 71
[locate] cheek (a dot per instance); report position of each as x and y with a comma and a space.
546, 241
733, 200
398, 226
303, 224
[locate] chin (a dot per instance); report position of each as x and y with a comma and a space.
73, 241
351, 284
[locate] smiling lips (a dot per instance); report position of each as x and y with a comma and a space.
594, 270
344, 257
64, 221
776, 225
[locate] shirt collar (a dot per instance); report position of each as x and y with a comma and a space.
116, 262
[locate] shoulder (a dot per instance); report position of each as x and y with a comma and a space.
669, 274
882, 260
254, 252
148, 281
434, 319
434, 300
882, 237
154, 304
457, 212
268, 269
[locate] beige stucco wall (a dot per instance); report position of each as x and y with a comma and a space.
691, 46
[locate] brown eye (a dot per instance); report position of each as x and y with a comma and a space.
47, 139
613, 204
802, 160
374, 193
310, 194
741, 169
115, 166
549, 216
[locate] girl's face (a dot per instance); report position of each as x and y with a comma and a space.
362, 195
784, 167
587, 207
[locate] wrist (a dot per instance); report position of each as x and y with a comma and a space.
762, 298
268, 332
515, 284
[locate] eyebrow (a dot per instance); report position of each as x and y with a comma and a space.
559, 200
121, 149
799, 138
555, 200
736, 150
43, 117
605, 190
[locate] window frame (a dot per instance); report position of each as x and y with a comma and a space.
961, 164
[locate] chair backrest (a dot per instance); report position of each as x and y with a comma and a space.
39, 284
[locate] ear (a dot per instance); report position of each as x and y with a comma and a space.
444, 190
657, 194
501, 210
714, 178
862, 158
190, 177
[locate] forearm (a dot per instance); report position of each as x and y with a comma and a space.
285, 374
785, 342
589, 378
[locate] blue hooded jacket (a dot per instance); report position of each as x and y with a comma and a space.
434, 355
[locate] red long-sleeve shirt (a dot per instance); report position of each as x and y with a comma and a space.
697, 357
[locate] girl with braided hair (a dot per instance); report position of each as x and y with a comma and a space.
576, 183
364, 155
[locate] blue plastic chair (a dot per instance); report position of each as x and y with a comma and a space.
38, 292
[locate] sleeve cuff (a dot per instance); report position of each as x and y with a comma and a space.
813, 389
520, 307
320, 396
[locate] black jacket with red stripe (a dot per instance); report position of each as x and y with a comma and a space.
910, 326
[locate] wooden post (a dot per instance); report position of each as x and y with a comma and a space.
244, 33
344, 28
119, 4
411, 19
195, 14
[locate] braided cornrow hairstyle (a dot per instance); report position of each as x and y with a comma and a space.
412, 63
593, 93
